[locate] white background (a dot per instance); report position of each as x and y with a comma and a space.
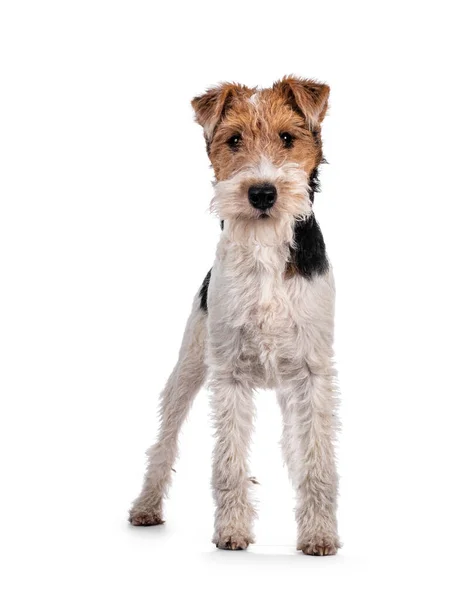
105, 236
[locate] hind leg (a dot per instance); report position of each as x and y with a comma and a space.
185, 381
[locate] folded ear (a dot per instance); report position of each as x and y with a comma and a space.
306, 96
212, 106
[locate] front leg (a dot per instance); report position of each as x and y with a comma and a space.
309, 425
232, 405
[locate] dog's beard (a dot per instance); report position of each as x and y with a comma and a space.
245, 224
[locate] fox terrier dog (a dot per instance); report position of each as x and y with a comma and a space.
264, 315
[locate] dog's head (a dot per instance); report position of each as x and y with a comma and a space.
263, 145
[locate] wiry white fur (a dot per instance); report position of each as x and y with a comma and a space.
262, 330
243, 222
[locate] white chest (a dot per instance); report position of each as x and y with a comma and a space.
251, 306
259, 321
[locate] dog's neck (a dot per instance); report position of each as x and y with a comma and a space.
256, 245
293, 248
259, 232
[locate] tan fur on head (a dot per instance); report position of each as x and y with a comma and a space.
307, 96
260, 116
211, 106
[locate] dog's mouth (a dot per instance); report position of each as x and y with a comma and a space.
264, 215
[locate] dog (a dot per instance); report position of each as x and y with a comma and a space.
264, 315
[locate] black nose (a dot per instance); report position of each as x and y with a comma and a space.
262, 196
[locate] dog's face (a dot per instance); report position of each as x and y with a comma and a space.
263, 146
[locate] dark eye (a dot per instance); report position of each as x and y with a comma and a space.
287, 139
234, 141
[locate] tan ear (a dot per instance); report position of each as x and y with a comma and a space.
307, 96
212, 106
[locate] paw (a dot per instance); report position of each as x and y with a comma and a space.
232, 541
145, 517
319, 546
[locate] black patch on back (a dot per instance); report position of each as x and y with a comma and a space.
314, 183
204, 292
308, 253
